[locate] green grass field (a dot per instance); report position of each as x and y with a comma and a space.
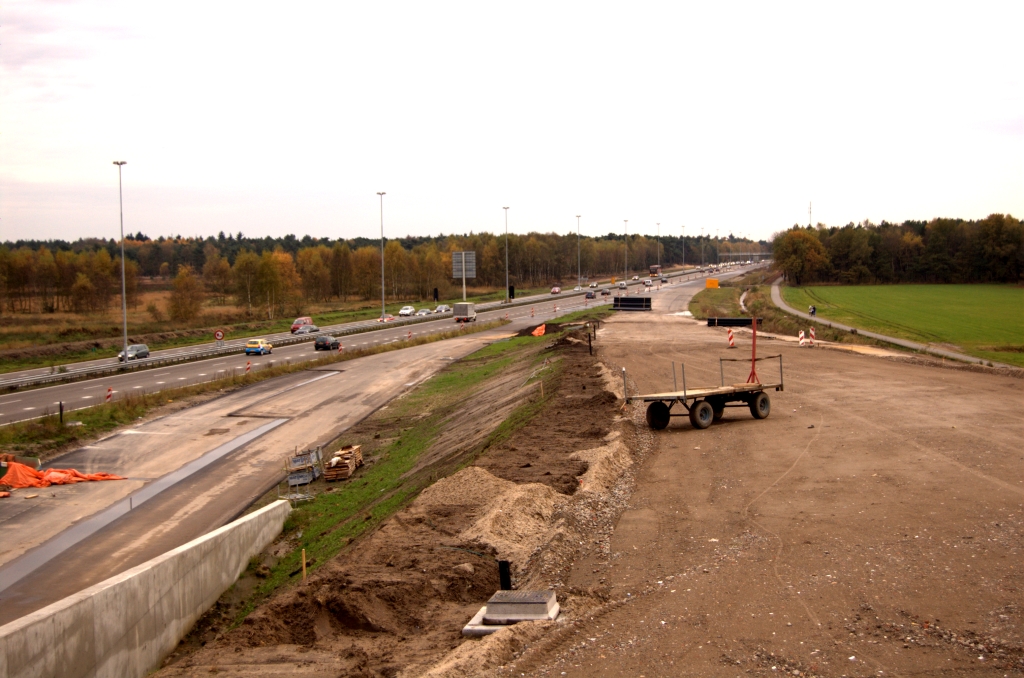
986, 321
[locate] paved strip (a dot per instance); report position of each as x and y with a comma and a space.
24, 565
905, 343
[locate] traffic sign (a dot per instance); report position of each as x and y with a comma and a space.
219, 335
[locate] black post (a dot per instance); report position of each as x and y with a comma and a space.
590, 345
505, 575
62, 411
435, 295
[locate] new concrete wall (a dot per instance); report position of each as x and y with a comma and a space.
123, 627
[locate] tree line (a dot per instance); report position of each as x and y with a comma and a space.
990, 250
270, 277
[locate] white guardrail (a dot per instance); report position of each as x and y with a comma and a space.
276, 340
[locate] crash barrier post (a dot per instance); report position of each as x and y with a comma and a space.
341, 348
732, 340
531, 311
801, 337
110, 395
248, 366
812, 337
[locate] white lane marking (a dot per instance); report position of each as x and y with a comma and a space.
29, 408
202, 374
136, 387
215, 364
9, 402
86, 397
161, 382
181, 378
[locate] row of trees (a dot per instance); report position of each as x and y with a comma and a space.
937, 251
267, 278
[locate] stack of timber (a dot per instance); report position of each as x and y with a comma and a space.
344, 463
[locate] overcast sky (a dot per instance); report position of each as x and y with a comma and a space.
277, 118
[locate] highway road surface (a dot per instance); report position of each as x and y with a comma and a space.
192, 471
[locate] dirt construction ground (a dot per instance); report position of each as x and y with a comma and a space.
872, 525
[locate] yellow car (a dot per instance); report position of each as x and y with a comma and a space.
259, 347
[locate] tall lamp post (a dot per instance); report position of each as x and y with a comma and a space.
682, 236
124, 298
507, 298
381, 194
659, 245
625, 241
701, 249
579, 268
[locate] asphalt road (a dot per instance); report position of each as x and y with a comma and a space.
192, 471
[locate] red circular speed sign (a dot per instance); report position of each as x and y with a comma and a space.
219, 335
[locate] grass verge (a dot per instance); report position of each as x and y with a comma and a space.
46, 436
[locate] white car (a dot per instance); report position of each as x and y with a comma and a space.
577, 288
647, 282
407, 311
622, 284
636, 277
593, 286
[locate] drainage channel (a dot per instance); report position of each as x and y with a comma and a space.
27, 563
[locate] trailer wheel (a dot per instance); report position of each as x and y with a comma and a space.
718, 407
658, 415
761, 406
701, 414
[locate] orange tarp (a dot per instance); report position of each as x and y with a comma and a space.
19, 475
539, 332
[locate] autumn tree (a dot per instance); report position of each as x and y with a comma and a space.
187, 296
800, 255
244, 275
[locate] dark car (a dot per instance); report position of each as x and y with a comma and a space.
307, 329
326, 343
605, 292
590, 295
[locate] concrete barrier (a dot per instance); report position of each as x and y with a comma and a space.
123, 627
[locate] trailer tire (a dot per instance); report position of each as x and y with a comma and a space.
658, 415
761, 406
718, 407
701, 414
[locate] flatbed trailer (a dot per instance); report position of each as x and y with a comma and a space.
706, 404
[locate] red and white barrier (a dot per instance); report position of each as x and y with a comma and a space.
248, 364
409, 335
110, 395
341, 348
812, 337
531, 311
732, 340
801, 336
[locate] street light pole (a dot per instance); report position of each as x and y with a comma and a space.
625, 241
382, 312
659, 245
124, 298
507, 299
682, 235
701, 249
579, 268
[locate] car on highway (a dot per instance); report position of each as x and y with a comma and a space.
593, 286
300, 322
590, 294
135, 352
664, 279
325, 342
577, 288
307, 329
443, 308
605, 292
386, 318
407, 311
258, 347
424, 311
648, 282
622, 284
636, 277
556, 290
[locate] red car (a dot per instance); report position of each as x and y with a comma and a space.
299, 322
556, 290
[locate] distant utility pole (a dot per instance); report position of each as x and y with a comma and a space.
718, 247
124, 299
810, 221
625, 241
579, 268
382, 312
659, 244
682, 235
506, 255
702, 248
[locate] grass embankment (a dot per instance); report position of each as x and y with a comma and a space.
986, 321
50, 340
46, 436
724, 302
328, 523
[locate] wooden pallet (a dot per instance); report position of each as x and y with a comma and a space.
351, 458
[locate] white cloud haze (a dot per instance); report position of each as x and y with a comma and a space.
273, 119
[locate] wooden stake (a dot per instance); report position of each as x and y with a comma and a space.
303, 564
542, 389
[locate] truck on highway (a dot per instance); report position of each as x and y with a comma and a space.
464, 312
